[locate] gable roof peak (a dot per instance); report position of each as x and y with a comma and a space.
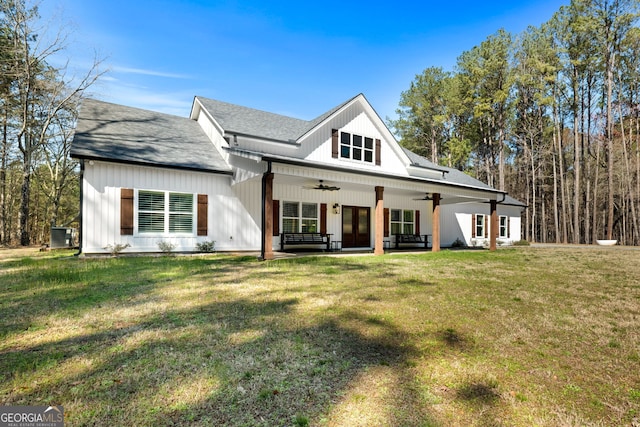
247, 121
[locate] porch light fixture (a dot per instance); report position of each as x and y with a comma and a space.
336, 208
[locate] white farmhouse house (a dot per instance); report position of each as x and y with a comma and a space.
257, 181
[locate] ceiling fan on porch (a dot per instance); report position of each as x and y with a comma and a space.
323, 187
427, 196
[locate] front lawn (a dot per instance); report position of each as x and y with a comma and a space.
518, 337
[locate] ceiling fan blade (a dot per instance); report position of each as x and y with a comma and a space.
426, 197
324, 187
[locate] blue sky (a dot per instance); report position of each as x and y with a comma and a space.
294, 58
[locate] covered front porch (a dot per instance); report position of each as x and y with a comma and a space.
360, 212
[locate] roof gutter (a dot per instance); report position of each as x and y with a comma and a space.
156, 165
262, 138
419, 166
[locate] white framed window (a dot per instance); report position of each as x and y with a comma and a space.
504, 227
402, 221
480, 225
356, 147
299, 217
163, 212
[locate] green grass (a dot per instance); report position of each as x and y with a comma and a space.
517, 337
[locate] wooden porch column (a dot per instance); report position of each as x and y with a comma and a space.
379, 244
267, 218
493, 228
435, 245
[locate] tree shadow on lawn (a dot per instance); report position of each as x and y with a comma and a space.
231, 363
235, 361
39, 288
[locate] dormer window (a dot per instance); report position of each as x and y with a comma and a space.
356, 147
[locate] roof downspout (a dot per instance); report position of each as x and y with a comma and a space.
81, 179
264, 219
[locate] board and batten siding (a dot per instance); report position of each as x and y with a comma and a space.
229, 223
362, 196
318, 146
235, 211
456, 223
392, 201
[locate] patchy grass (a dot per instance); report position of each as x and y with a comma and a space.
517, 337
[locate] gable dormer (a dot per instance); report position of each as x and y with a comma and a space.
353, 136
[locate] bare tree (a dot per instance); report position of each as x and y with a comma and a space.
41, 92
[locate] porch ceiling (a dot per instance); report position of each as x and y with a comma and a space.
408, 189
302, 172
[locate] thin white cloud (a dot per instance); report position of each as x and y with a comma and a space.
141, 71
107, 78
171, 102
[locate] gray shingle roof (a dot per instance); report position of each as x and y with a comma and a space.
456, 176
118, 133
248, 121
417, 160
453, 174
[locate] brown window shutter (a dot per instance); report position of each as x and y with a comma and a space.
275, 215
386, 222
203, 214
323, 218
126, 211
486, 226
335, 146
473, 226
417, 227
378, 152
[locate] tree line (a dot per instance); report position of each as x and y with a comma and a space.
551, 115
38, 110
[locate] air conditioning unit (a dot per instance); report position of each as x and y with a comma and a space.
63, 237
